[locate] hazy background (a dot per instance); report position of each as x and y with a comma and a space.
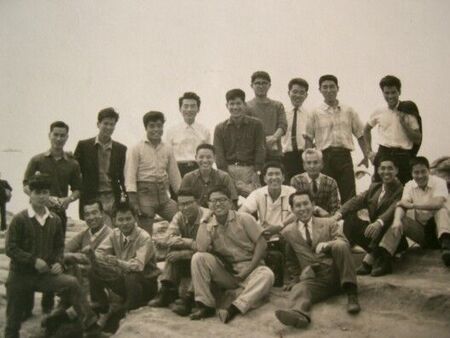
66, 60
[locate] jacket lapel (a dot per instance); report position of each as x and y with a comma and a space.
94, 153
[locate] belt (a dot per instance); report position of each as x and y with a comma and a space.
240, 163
396, 150
188, 163
336, 150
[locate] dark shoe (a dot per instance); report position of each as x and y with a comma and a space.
382, 266
203, 311
364, 269
353, 306
164, 297
292, 318
227, 315
54, 320
446, 256
183, 306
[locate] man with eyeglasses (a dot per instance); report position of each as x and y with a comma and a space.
182, 232
230, 252
270, 112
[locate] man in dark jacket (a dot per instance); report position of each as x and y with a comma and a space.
5, 196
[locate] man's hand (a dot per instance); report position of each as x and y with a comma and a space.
372, 156
320, 212
56, 269
110, 259
272, 230
271, 140
373, 230
397, 229
64, 202
41, 266
290, 284
133, 198
70, 258
322, 247
337, 216
364, 162
405, 204
175, 242
174, 256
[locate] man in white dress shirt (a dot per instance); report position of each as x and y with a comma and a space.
293, 142
187, 135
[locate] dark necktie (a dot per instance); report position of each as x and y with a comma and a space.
315, 188
308, 235
294, 131
125, 241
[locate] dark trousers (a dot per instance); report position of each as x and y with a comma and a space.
133, 287
338, 164
3, 216
402, 157
187, 167
20, 285
293, 164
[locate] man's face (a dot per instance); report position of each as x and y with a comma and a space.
125, 221
106, 126
187, 206
329, 90
189, 109
219, 204
420, 173
58, 137
274, 178
391, 95
93, 216
313, 165
260, 87
39, 197
302, 207
154, 130
387, 171
236, 107
297, 94
205, 158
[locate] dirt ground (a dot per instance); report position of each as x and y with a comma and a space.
413, 302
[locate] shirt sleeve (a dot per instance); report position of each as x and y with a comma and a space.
252, 228
281, 118
30, 171
250, 204
220, 150
14, 236
173, 172
357, 126
412, 122
260, 150
335, 201
174, 229
144, 252
440, 188
106, 247
203, 239
75, 243
407, 192
75, 180
228, 182
374, 119
309, 128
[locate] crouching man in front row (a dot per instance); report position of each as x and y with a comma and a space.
316, 248
35, 244
230, 252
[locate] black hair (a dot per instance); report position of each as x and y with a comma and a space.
59, 124
189, 96
299, 82
328, 77
260, 74
235, 94
299, 193
390, 81
205, 146
153, 116
107, 113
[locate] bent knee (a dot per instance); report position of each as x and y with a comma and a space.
339, 246
201, 258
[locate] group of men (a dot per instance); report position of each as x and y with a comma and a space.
214, 241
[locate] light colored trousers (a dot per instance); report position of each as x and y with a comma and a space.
415, 231
206, 268
245, 178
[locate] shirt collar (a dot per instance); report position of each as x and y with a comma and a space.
160, 144
131, 237
244, 120
107, 145
48, 153
309, 179
231, 216
284, 191
302, 225
32, 213
328, 108
98, 232
415, 185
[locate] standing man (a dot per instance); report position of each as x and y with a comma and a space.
205, 177
323, 189
64, 171
239, 143
426, 195
319, 260
331, 126
230, 252
185, 137
398, 131
270, 112
5, 197
102, 161
380, 200
293, 141
35, 244
149, 171
182, 234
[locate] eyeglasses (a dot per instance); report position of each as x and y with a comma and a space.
218, 200
261, 83
185, 204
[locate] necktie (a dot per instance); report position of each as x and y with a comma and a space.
294, 131
125, 241
308, 235
315, 188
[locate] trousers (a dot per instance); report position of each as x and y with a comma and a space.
293, 164
338, 164
245, 178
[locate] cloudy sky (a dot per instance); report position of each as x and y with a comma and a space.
69, 59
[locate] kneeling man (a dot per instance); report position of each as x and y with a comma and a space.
230, 252
320, 261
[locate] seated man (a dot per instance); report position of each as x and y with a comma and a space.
35, 244
181, 243
426, 195
272, 206
77, 248
319, 260
230, 252
128, 251
205, 177
323, 188
380, 200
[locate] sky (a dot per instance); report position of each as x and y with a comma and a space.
66, 60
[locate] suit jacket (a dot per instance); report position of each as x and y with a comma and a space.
86, 154
300, 257
369, 200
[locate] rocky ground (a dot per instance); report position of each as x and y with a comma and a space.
413, 302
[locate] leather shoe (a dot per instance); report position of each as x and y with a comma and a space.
382, 266
364, 269
446, 256
202, 312
353, 306
292, 318
165, 297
